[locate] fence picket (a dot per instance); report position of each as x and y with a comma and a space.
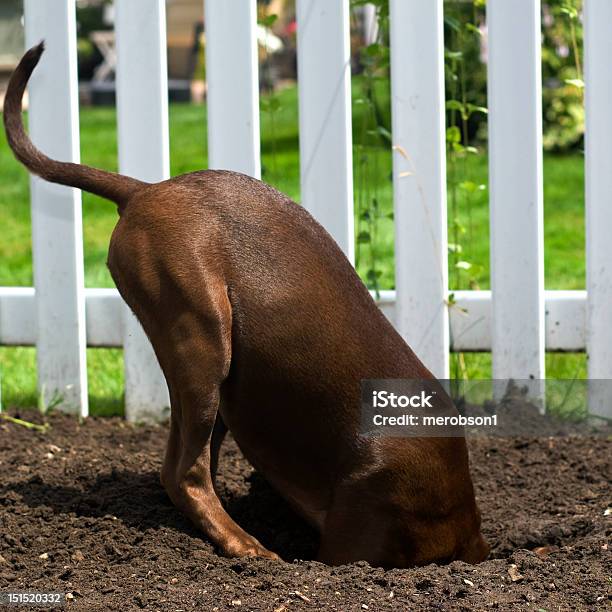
516, 189
324, 84
56, 210
232, 77
419, 179
142, 117
598, 91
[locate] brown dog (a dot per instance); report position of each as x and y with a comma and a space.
262, 327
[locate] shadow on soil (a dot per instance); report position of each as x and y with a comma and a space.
138, 500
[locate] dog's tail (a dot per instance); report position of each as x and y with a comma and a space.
109, 185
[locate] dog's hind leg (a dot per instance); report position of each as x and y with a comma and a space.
200, 348
185, 310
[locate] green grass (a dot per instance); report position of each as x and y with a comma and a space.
468, 225
104, 374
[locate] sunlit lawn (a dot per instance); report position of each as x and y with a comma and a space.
468, 226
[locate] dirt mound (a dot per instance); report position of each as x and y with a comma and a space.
82, 512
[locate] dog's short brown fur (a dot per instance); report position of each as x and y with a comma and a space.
262, 327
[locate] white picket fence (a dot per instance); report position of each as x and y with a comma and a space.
518, 320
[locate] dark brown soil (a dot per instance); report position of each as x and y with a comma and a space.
82, 512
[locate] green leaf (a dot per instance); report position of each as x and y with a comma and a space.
384, 132
470, 27
452, 22
463, 265
570, 11
473, 108
454, 105
270, 104
364, 237
373, 275
454, 248
579, 83
468, 186
457, 225
453, 134
373, 50
267, 21
454, 55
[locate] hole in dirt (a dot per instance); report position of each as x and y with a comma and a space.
266, 515
139, 501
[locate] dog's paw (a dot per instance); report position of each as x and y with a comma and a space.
247, 547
